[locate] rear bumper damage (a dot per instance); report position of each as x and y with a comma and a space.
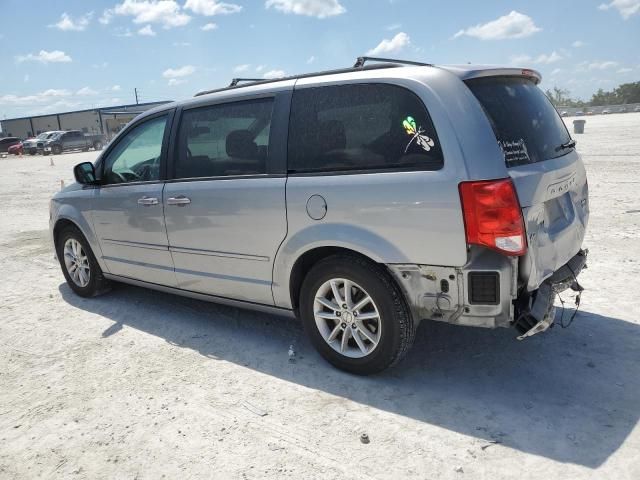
486, 292
535, 311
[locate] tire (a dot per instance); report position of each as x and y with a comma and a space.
96, 283
33, 151
393, 331
97, 145
56, 149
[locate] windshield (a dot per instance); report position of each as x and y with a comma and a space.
42, 136
527, 126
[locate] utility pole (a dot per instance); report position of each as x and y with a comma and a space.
135, 91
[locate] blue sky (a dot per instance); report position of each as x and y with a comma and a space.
65, 55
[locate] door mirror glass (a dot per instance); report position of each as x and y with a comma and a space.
85, 173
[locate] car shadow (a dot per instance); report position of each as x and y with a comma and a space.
570, 395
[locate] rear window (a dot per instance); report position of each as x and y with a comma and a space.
527, 126
360, 127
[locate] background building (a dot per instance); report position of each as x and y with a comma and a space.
107, 121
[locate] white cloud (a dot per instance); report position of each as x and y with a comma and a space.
274, 74
578, 44
626, 8
311, 59
513, 25
393, 45
41, 97
259, 68
67, 23
86, 91
175, 81
625, 70
393, 26
54, 56
310, 8
209, 8
553, 57
100, 65
543, 58
208, 26
165, 12
241, 68
179, 72
602, 65
147, 31
556, 71
181, 44
116, 88
106, 17
123, 32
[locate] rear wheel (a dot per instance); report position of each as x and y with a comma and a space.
355, 314
79, 265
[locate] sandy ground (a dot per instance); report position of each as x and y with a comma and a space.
138, 384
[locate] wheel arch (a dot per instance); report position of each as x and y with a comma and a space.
307, 260
300, 251
64, 219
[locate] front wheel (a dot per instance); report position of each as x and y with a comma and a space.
355, 314
97, 145
56, 149
79, 265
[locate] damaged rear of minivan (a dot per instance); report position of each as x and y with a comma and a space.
542, 207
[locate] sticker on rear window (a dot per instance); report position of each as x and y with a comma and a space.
417, 135
515, 152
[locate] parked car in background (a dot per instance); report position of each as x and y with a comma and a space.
361, 200
16, 149
606, 111
564, 113
623, 110
579, 113
7, 142
36, 144
72, 140
637, 109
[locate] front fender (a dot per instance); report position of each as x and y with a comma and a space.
77, 211
321, 235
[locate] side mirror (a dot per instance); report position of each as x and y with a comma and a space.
85, 173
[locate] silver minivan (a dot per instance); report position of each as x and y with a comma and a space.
361, 200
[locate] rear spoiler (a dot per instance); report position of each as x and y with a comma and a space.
467, 72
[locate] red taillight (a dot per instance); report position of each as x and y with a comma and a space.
492, 216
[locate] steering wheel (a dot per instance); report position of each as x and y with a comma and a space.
119, 176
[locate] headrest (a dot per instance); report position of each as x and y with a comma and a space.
240, 144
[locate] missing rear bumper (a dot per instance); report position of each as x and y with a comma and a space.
535, 313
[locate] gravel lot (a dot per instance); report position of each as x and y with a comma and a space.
139, 384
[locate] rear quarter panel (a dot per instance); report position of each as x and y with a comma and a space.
394, 217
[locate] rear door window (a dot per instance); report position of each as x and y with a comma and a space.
224, 140
527, 126
360, 127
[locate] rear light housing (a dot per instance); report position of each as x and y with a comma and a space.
493, 217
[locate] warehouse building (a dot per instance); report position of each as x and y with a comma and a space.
106, 121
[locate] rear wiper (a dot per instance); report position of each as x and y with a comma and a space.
570, 144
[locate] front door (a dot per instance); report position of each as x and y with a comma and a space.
225, 207
127, 208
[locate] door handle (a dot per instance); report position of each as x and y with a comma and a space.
148, 201
180, 200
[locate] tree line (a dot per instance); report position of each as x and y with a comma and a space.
623, 94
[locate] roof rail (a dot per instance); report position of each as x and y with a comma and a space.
362, 60
360, 65
236, 81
